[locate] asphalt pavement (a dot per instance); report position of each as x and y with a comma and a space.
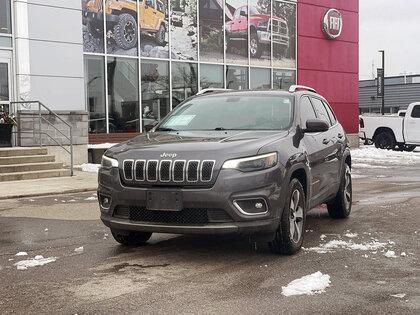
89, 273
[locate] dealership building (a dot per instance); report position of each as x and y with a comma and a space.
109, 68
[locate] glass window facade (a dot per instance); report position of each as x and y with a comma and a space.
157, 53
95, 93
154, 91
5, 17
123, 95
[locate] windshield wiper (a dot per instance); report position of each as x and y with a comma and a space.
165, 129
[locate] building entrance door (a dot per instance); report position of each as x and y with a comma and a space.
5, 85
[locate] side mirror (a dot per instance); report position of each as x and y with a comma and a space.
150, 126
148, 3
316, 125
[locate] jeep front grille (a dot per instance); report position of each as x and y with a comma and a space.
168, 171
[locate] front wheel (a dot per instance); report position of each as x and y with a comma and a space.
340, 207
160, 36
125, 31
254, 46
131, 238
289, 234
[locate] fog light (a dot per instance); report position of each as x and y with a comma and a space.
253, 206
105, 201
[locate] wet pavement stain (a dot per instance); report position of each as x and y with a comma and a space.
121, 267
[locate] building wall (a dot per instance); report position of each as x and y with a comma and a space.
331, 66
49, 53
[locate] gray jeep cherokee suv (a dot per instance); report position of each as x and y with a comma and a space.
248, 162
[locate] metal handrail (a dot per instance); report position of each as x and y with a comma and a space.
40, 132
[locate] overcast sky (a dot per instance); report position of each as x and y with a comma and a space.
394, 26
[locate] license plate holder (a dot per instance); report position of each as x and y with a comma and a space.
164, 200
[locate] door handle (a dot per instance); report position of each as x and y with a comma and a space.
326, 141
239, 21
340, 136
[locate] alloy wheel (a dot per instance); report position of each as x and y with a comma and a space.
129, 31
347, 188
296, 216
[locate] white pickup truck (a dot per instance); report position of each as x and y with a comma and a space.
391, 131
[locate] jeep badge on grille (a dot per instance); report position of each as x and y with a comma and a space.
168, 155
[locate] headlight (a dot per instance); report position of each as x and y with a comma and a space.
108, 162
253, 163
263, 23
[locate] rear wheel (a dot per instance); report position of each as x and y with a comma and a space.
340, 207
385, 140
131, 238
125, 31
95, 29
289, 234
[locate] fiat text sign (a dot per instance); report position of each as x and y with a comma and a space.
332, 23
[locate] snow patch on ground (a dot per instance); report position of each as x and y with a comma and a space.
369, 154
106, 145
79, 249
351, 235
399, 295
39, 260
89, 167
340, 244
22, 254
91, 198
309, 285
390, 254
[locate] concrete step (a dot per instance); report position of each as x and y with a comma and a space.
9, 160
22, 151
28, 167
34, 174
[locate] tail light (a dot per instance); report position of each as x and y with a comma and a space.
361, 123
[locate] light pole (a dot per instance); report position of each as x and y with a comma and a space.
383, 91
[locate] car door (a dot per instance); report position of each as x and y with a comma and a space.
412, 126
312, 143
243, 21
330, 146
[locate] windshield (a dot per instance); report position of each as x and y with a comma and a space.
237, 112
253, 10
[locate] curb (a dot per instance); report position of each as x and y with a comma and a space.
67, 191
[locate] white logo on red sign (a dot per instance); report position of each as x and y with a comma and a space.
332, 23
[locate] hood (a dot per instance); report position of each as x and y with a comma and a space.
195, 144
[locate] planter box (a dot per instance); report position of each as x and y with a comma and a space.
6, 135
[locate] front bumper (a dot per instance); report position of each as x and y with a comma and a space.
99, 16
230, 186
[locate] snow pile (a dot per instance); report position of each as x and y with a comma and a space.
22, 254
89, 167
101, 145
367, 155
390, 254
336, 244
309, 285
39, 260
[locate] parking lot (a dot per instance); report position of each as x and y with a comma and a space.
372, 258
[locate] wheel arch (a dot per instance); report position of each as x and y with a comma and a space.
302, 175
383, 129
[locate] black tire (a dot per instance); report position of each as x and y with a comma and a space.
255, 49
131, 238
125, 31
287, 240
95, 29
340, 207
160, 36
385, 140
406, 147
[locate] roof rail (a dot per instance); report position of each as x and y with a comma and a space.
211, 90
293, 88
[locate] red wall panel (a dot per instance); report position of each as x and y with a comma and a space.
331, 66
